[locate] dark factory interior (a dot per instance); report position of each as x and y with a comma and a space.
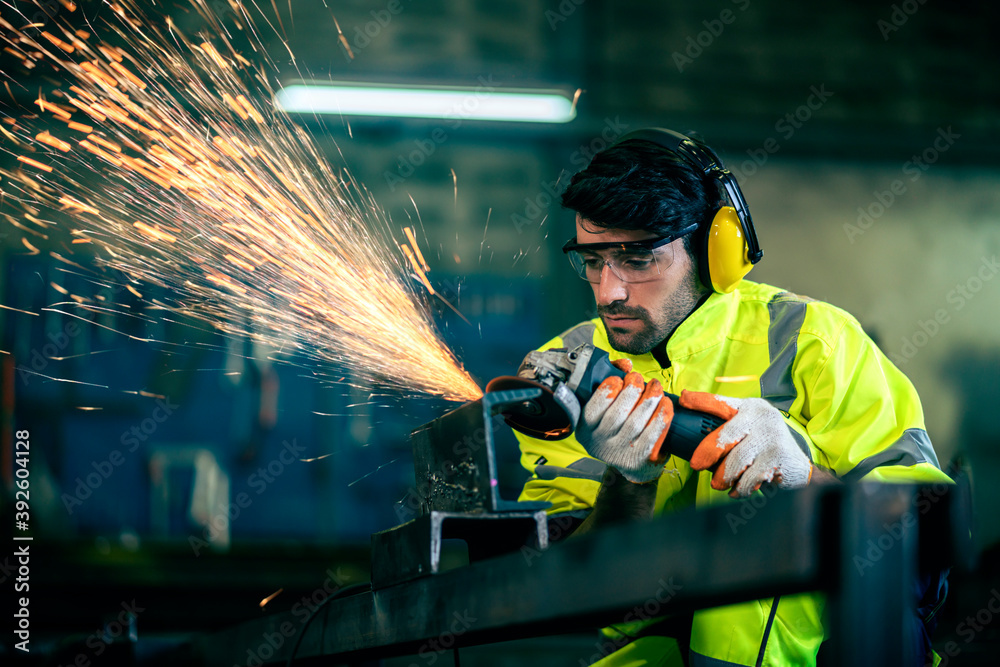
213, 465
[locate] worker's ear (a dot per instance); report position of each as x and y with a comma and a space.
698, 259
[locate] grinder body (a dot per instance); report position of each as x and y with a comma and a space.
568, 378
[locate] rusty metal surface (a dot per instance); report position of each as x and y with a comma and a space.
454, 458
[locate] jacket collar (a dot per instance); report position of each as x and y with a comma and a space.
706, 327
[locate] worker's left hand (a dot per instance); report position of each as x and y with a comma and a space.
753, 446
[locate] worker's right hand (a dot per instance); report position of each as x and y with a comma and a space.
624, 424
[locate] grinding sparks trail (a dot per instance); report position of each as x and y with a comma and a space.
219, 201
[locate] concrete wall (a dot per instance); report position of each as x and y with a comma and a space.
922, 277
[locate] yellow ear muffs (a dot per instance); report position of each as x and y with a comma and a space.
725, 251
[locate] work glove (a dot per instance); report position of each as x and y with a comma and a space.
753, 446
624, 424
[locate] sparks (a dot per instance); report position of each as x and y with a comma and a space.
224, 203
263, 603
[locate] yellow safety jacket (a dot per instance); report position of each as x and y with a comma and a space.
846, 404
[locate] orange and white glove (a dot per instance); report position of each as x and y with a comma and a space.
624, 424
754, 446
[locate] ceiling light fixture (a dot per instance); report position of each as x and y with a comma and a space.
485, 102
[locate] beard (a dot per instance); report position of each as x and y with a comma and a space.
655, 326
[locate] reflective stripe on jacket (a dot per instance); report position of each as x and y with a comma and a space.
847, 405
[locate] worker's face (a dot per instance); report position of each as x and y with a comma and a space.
638, 316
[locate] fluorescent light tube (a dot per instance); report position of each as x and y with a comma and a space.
482, 103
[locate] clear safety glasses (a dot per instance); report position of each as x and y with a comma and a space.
630, 261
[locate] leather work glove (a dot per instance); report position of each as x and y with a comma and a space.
754, 445
624, 424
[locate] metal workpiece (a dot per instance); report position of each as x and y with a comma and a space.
454, 458
414, 548
676, 563
873, 584
888, 534
783, 543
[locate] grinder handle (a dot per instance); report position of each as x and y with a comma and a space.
688, 428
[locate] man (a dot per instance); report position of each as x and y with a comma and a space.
806, 394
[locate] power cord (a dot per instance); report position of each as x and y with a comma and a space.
343, 592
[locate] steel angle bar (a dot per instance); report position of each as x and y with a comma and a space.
673, 564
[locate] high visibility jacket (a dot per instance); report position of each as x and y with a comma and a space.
846, 404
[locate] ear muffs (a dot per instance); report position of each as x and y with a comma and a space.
728, 248
724, 259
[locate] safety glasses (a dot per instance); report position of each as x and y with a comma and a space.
630, 261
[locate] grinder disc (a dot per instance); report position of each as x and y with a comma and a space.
551, 416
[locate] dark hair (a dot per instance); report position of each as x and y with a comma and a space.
640, 185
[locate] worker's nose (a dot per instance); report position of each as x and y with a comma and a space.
611, 288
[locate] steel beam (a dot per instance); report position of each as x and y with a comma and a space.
668, 565
792, 542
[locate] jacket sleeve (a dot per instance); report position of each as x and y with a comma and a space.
563, 474
862, 414
561, 471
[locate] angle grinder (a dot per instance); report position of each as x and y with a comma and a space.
568, 378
